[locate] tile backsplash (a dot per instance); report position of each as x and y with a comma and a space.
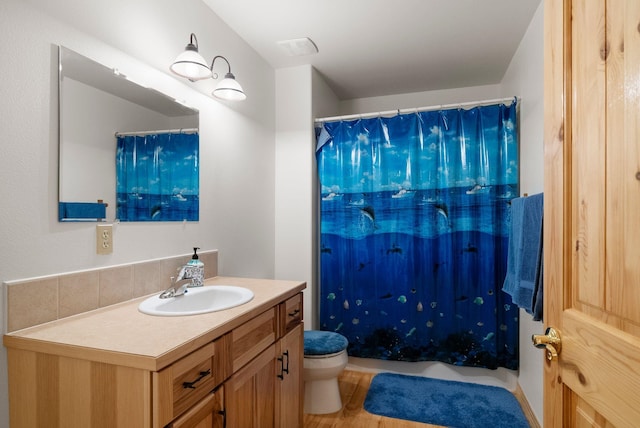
35, 301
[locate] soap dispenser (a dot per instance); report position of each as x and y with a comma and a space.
196, 269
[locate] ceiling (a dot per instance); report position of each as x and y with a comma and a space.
378, 47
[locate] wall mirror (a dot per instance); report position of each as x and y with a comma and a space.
100, 112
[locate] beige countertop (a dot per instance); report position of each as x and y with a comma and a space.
122, 335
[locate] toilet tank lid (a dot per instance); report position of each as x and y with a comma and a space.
318, 342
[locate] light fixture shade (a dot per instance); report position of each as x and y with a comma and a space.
191, 64
229, 89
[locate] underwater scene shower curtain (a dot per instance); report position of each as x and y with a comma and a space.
157, 177
414, 221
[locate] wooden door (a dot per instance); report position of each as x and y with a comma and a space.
592, 212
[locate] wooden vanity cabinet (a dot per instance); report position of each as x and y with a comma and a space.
249, 377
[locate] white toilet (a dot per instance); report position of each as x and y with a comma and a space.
325, 356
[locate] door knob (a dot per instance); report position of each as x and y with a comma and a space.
550, 341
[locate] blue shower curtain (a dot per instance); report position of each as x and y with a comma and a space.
157, 177
415, 213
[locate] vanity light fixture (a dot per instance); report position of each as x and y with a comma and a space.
228, 88
191, 65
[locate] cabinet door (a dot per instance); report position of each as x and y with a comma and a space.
208, 413
289, 385
249, 393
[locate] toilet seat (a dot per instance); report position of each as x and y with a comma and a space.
320, 343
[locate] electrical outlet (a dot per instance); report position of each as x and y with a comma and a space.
104, 239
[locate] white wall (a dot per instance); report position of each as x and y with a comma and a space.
419, 99
301, 94
294, 177
325, 103
525, 78
141, 38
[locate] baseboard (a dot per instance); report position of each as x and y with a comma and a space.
526, 408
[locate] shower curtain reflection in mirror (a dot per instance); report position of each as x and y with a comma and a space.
414, 230
157, 177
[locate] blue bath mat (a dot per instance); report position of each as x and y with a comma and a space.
443, 402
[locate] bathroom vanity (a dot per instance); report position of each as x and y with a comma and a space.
118, 367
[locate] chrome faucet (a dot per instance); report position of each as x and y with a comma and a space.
179, 284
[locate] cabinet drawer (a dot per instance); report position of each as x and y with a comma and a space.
183, 383
290, 313
253, 337
209, 412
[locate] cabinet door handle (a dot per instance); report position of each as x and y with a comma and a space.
283, 369
281, 375
191, 384
223, 413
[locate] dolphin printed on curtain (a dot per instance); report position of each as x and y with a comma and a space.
414, 224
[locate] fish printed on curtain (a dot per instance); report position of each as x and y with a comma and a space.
157, 177
414, 222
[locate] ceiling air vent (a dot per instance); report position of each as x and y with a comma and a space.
298, 47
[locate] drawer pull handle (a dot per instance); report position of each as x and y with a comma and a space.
191, 385
294, 313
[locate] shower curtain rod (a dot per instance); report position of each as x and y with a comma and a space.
159, 131
413, 110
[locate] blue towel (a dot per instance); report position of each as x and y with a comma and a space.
79, 211
538, 294
511, 280
524, 258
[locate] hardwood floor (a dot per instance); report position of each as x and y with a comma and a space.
353, 391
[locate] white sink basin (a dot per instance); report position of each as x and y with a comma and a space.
200, 300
